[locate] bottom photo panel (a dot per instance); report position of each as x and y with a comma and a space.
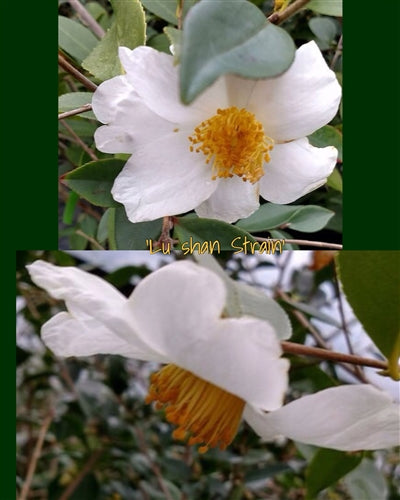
208, 376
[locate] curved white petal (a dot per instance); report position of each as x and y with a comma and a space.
68, 336
95, 311
178, 311
155, 78
163, 178
232, 200
345, 418
295, 169
242, 356
130, 123
300, 101
176, 304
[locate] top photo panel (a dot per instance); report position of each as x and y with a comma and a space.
200, 126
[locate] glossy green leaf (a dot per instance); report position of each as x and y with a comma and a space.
127, 30
129, 236
200, 234
327, 136
245, 300
73, 100
175, 39
335, 181
160, 42
75, 39
69, 209
324, 28
327, 7
371, 282
219, 40
326, 468
166, 9
308, 219
102, 229
94, 180
366, 482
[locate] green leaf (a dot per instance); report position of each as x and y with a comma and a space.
315, 313
75, 39
335, 181
127, 30
327, 136
327, 7
371, 282
160, 42
308, 219
129, 236
324, 28
94, 180
220, 39
102, 230
175, 38
166, 9
366, 482
73, 100
326, 468
196, 234
245, 300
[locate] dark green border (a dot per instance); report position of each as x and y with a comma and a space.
371, 102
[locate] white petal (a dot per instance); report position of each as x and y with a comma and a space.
130, 122
302, 100
295, 169
345, 418
95, 310
242, 356
178, 310
232, 200
155, 78
176, 304
163, 178
67, 336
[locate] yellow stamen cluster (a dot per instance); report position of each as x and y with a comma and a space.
235, 143
203, 413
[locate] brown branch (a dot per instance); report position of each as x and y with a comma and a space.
320, 244
79, 141
279, 17
77, 111
338, 52
67, 66
87, 18
317, 352
85, 470
35, 456
90, 239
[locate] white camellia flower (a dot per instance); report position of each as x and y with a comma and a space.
217, 369
239, 139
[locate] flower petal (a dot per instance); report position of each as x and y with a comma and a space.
232, 200
302, 100
95, 314
345, 418
242, 356
178, 310
163, 178
155, 78
130, 122
295, 169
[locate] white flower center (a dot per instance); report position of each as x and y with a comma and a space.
235, 142
204, 413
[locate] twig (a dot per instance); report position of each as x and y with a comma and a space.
317, 352
179, 13
35, 456
90, 239
85, 470
87, 18
155, 468
311, 243
338, 52
77, 111
67, 66
79, 141
278, 17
